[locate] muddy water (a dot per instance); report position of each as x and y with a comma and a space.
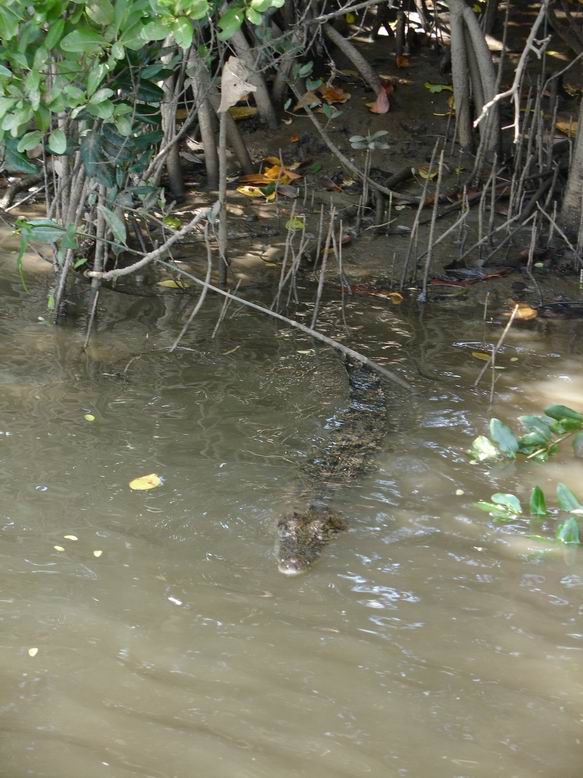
426, 642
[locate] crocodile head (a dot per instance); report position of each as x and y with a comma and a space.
302, 536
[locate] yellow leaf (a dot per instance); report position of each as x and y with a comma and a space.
481, 355
70, 537
240, 112
272, 160
250, 191
97, 553
424, 172
557, 55
150, 481
525, 312
89, 417
459, 492
350, 18
171, 283
32, 652
270, 198
58, 548
568, 128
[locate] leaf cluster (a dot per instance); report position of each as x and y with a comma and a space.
541, 438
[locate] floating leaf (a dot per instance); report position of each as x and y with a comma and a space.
503, 437
568, 531
89, 417
145, 482
567, 499
561, 412
32, 652
97, 553
578, 444
510, 502
492, 508
70, 537
538, 506
524, 312
58, 548
536, 424
481, 355
483, 449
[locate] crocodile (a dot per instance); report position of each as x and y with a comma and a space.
357, 435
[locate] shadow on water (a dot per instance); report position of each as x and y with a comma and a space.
427, 641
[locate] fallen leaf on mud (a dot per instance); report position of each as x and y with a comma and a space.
568, 128
171, 283
482, 355
295, 224
426, 173
309, 99
402, 61
240, 112
334, 94
435, 89
294, 138
32, 652
396, 298
250, 191
381, 104
256, 179
145, 482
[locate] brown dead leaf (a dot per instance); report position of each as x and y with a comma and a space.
402, 61
240, 112
309, 99
381, 104
256, 179
334, 94
294, 138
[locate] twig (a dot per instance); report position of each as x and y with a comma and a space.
497, 346
297, 325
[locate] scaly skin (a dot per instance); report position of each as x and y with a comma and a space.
357, 436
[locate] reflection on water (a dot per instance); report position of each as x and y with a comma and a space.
426, 642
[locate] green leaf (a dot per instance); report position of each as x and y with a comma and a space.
41, 230
231, 22
562, 426
101, 95
96, 164
154, 31
567, 499
483, 449
116, 225
490, 507
503, 437
58, 142
560, 412
536, 424
531, 441
55, 33
182, 32
83, 40
538, 506
578, 444
510, 502
100, 11
15, 161
29, 141
568, 531
4, 72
